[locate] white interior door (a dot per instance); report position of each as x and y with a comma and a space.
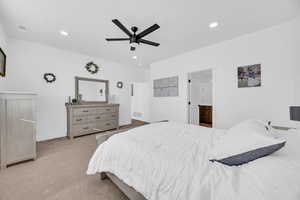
193, 103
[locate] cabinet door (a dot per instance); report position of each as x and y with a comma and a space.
21, 128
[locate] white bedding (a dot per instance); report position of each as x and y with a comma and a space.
168, 161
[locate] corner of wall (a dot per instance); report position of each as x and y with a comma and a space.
3, 37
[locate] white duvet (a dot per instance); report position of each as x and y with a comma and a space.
168, 161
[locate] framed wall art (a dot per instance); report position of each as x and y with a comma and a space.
249, 76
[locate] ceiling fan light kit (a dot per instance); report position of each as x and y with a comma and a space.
134, 38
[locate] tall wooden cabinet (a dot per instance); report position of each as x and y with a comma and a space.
17, 127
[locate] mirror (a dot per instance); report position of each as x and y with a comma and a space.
91, 90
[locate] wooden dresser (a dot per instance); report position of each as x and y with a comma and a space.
91, 118
205, 116
17, 127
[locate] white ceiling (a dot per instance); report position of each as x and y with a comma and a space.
184, 23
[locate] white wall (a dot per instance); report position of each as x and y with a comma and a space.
2, 37
3, 46
275, 48
141, 101
297, 66
27, 62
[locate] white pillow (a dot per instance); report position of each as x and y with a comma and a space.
245, 142
250, 126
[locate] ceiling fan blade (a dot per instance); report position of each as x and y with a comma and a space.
122, 27
149, 42
117, 39
148, 31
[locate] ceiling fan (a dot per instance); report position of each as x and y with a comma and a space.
135, 39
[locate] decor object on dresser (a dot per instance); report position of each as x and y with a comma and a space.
2, 63
49, 77
249, 76
91, 90
205, 116
165, 87
91, 118
92, 68
120, 84
17, 127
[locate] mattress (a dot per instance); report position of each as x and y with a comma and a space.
166, 161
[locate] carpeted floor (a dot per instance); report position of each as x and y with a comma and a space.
58, 174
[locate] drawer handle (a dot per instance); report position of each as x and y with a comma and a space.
29, 121
98, 117
113, 115
85, 128
108, 109
107, 124
78, 120
85, 111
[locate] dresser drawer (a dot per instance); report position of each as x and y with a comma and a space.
82, 129
102, 117
106, 125
109, 116
80, 119
96, 117
83, 111
106, 110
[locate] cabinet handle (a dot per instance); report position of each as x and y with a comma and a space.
29, 121
98, 117
85, 128
107, 124
107, 109
113, 115
78, 120
85, 111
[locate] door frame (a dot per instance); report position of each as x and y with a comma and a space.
188, 97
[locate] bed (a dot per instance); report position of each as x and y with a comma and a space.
167, 160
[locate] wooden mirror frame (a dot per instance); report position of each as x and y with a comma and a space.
77, 79
4, 63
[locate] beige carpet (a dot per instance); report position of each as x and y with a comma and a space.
58, 174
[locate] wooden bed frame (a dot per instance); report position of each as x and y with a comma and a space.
129, 191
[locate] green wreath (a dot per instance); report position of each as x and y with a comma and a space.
92, 68
49, 77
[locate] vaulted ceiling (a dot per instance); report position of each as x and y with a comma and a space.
184, 23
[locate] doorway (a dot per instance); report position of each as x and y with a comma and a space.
140, 101
200, 98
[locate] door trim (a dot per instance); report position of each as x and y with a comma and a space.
188, 77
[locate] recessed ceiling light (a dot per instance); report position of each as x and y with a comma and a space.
213, 24
64, 33
134, 57
22, 28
